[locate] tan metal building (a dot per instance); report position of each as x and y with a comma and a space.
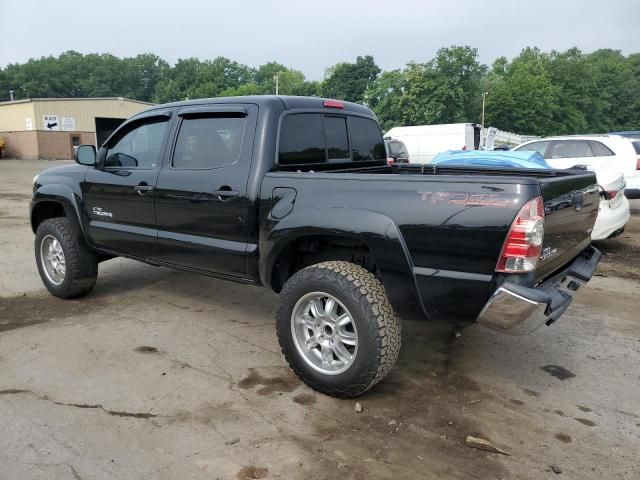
49, 128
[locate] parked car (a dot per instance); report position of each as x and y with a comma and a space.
294, 194
613, 153
396, 150
613, 211
635, 134
425, 141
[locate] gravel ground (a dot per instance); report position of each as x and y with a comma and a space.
160, 374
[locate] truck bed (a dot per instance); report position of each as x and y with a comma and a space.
454, 220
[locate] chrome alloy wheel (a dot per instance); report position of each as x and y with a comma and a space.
52, 258
324, 333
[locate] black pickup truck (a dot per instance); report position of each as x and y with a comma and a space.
295, 194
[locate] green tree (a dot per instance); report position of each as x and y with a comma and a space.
614, 92
522, 97
349, 81
142, 74
445, 89
536, 92
385, 97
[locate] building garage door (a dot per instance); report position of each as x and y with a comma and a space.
105, 127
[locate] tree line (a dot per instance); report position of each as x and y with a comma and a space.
535, 93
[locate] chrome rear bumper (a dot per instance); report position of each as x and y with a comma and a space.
518, 310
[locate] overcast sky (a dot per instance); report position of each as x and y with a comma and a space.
312, 35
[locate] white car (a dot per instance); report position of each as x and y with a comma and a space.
613, 211
632, 191
610, 152
615, 161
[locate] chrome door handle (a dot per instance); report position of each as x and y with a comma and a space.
142, 189
225, 194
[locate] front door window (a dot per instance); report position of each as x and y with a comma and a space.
138, 148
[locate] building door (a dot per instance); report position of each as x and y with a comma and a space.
75, 143
105, 127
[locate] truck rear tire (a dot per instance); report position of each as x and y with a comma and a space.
337, 328
67, 266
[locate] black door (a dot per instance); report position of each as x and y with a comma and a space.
201, 193
119, 194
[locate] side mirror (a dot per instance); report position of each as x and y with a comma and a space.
85, 155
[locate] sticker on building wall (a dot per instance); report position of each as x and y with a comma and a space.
51, 122
28, 123
68, 124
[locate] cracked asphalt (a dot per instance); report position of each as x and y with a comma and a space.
159, 374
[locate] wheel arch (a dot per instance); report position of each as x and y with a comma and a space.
377, 234
51, 201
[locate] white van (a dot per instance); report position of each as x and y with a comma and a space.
426, 141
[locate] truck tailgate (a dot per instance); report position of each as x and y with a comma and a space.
571, 206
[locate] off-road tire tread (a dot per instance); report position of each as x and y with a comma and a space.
368, 292
81, 262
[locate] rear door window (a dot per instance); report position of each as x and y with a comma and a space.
570, 149
366, 140
208, 142
302, 140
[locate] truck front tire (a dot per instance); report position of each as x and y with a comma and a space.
67, 266
337, 329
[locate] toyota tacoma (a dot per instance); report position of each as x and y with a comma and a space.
295, 194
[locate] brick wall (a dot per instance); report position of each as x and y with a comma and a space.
36, 144
57, 145
22, 145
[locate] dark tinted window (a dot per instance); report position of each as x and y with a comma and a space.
600, 150
302, 139
397, 148
139, 147
570, 149
539, 147
636, 145
208, 142
335, 129
366, 140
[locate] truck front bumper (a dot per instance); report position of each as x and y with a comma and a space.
518, 310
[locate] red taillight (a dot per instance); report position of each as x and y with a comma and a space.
638, 163
610, 194
523, 244
333, 104
390, 161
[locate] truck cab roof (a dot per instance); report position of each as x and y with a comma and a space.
286, 102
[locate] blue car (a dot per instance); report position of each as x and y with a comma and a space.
499, 159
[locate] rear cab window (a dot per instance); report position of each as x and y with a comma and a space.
302, 140
317, 139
